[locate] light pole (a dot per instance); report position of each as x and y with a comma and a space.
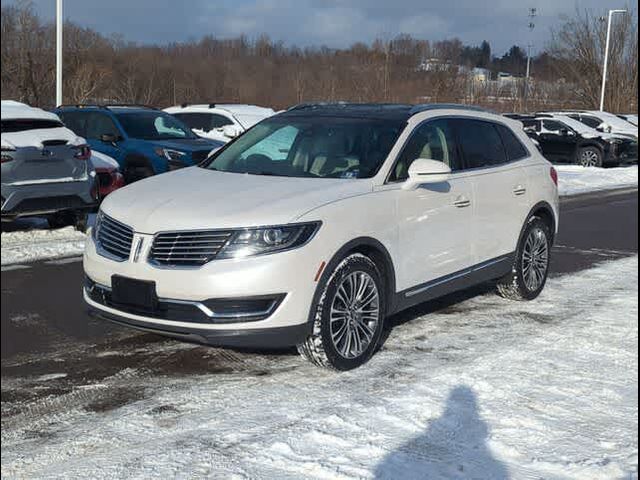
532, 15
59, 24
606, 56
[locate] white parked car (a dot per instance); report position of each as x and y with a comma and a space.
221, 122
604, 122
316, 225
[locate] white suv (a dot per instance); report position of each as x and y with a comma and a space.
320, 222
221, 122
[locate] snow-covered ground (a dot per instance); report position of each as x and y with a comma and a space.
39, 243
575, 180
483, 389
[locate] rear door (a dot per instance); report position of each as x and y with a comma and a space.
43, 153
98, 124
492, 155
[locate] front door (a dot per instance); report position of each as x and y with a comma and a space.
435, 220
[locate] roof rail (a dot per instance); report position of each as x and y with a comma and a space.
80, 105
208, 104
426, 107
106, 106
129, 105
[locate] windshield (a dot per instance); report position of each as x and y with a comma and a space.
153, 126
321, 147
575, 124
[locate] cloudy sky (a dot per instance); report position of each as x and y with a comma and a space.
335, 23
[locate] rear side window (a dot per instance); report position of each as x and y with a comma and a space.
514, 148
99, 124
75, 121
22, 125
203, 121
480, 143
592, 122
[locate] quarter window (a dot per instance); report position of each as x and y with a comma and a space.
480, 143
432, 141
513, 146
99, 124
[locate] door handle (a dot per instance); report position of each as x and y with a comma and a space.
519, 190
462, 202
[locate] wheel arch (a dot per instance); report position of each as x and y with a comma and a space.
544, 211
374, 250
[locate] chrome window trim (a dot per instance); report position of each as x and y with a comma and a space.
454, 173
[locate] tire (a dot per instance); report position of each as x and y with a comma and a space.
61, 220
590, 157
136, 170
79, 220
336, 317
527, 282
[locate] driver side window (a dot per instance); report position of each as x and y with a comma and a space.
433, 141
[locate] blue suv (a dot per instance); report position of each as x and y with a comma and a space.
145, 141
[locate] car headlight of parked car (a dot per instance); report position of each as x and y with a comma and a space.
7, 153
263, 240
174, 157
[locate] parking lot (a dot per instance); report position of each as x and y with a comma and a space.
82, 397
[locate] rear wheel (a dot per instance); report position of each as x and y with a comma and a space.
531, 265
349, 316
590, 157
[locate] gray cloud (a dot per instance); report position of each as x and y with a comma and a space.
335, 23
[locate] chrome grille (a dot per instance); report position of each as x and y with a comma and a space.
184, 249
114, 238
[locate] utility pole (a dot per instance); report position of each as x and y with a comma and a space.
606, 56
59, 24
533, 12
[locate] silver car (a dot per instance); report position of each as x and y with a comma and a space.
46, 168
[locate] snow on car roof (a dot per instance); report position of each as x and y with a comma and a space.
12, 110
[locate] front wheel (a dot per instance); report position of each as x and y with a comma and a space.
531, 264
349, 316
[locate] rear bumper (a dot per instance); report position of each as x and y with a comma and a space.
267, 338
47, 198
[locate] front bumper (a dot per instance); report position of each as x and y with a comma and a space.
281, 337
288, 276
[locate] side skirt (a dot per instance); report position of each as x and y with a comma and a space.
476, 275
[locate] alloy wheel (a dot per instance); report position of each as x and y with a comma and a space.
355, 314
535, 259
589, 158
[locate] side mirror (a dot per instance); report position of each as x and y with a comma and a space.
565, 132
231, 131
604, 127
424, 171
109, 138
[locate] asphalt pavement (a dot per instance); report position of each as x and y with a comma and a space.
45, 328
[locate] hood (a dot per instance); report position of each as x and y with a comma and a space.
188, 144
195, 198
34, 138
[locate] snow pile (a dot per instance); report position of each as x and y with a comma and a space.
483, 388
37, 244
574, 179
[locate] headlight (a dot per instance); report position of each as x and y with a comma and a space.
261, 241
7, 154
169, 154
97, 224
